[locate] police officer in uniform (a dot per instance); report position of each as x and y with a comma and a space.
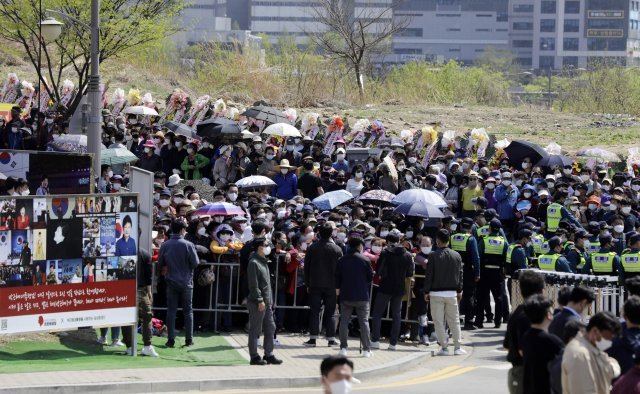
517, 258
593, 246
554, 260
466, 245
493, 251
605, 262
556, 211
577, 254
631, 258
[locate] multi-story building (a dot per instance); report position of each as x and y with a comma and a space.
553, 34
201, 19
449, 29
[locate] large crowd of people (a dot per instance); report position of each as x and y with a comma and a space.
284, 249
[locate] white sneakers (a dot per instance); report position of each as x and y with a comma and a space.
149, 351
375, 345
392, 347
443, 352
367, 354
276, 342
117, 343
459, 351
102, 340
342, 352
146, 351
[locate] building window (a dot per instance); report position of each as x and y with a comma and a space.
546, 61
453, 29
570, 44
522, 43
547, 44
407, 51
605, 23
502, 17
484, 15
548, 7
523, 8
449, 15
571, 25
603, 44
502, 29
522, 25
410, 32
484, 30
548, 25
572, 7
570, 61
479, 50
524, 61
454, 49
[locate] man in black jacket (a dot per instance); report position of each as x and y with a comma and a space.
443, 288
579, 300
320, 278
394, 266
353, 282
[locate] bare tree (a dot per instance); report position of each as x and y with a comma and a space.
355, 30
126, 25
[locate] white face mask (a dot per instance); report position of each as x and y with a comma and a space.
618, 228
626, 210
370, 165
225, 237
110, 174
232, 196
147, 150
401, 167
195, 203
576, 193
178, 144
613, 207
303, 246
190, 151
116, 186
605, 188
635, 188
453, 227
426, 249
25, 192
527, 194
384, 233
340, 387
376, 249
359, 175
257, 146
202, 231
551, 184
584, 177
604, 344
245, 204
178, 200
341, 237
573, 208
48, 121
340, 156
164, 203
284, 171
592, 207
491, 186
156, 196
525, 165
519, 182
409, 234
267, 250
412, 160
566, 171
506, 182
409, 178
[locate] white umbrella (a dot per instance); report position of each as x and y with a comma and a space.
140, 110
255, 181
416, 196
282, 130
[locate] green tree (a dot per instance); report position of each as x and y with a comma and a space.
125, 26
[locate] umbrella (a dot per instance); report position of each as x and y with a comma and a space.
377, 196
427, 211
113, 156
140, 110
204, 190
180, 128
519, 149
76, 143
282, 130
255, 181
418, 197
227, 129
552, 161
268, 114
332, 199
219, 209
209, 124
600, 154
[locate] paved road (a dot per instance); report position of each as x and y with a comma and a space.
484, 371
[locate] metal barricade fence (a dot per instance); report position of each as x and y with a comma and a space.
235, 304
609, 294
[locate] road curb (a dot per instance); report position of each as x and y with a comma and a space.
217, 384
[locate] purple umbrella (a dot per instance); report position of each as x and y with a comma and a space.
219, 209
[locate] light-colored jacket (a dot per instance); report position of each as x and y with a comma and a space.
587, 369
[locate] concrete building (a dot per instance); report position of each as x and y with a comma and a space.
201, 19
295, 17
440, 30
574, 33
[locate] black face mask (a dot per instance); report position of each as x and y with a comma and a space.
308, 165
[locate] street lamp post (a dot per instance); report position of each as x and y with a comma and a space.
94, 123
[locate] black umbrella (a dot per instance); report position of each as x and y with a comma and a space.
519, 149
553, 161
267, 114
223, 130
182, 129
206, 126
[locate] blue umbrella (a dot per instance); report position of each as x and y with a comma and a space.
421, 210
417, 196
330, 200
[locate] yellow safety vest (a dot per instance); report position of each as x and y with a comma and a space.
510, 250
554, 215
537, 242
594, 247
631, 262
602, 262
459, 242
493, 244
482, 231
547, 262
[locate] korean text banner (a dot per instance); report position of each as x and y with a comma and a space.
67, 261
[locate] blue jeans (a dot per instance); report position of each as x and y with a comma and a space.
115, 333
183, 294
